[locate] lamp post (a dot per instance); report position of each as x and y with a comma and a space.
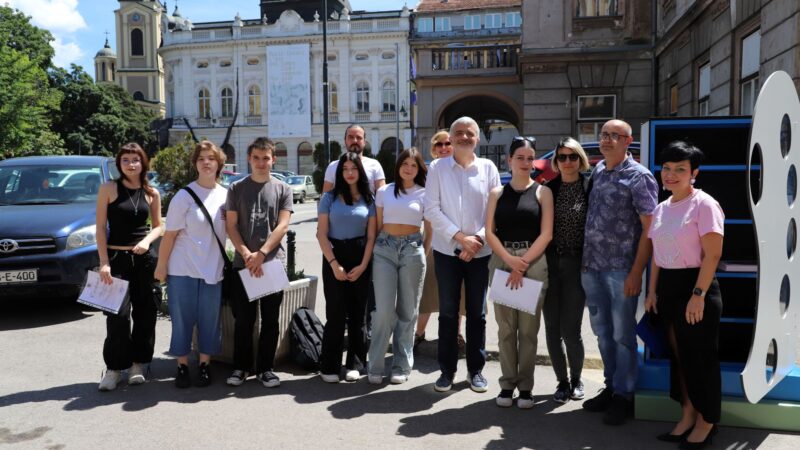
396, 98
325, 135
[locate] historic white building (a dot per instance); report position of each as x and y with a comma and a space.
210, 67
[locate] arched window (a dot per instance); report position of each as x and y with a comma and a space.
138, 96
388, 96
226, 97
333, 98
362, 97
254, 101
203, 104
103, 73
137, 42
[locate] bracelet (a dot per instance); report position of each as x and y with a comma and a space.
262, 252
331, 261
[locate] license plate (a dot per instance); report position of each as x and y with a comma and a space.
19, 276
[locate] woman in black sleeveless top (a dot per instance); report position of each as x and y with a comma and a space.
519, 225
123, 208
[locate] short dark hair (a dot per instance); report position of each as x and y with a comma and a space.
354, 125
262, 143
340, 187
677, 151
422, 173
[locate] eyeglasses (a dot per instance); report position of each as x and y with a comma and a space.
613, 136
130, 162
443, 144
530, 139
564, 156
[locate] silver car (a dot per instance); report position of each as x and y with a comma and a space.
302, 187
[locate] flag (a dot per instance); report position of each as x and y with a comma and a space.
413, 67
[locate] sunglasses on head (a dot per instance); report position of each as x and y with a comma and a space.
442, 144
530, 139
571, 156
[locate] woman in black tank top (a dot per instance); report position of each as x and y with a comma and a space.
123, 242
519, 226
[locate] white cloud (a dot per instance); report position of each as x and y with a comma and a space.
57, 16
67, 53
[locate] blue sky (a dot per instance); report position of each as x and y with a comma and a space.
79, 26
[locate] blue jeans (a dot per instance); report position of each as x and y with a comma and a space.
451, 272
193, 302
398, 268
613, 319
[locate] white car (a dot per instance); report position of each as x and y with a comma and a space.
302, 187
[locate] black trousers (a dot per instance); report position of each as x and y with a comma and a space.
125, 345
563, 313
244, 313
696, 356
345, 306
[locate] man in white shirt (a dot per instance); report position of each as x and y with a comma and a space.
354, 141
456, 194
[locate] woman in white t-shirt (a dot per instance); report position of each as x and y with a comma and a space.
398, 267
192, 266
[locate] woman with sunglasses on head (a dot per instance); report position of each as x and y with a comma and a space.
398, 266
687, 234
130, 209
563, 306
346, 227
441, 147
519, 225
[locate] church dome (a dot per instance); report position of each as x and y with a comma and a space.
106, 52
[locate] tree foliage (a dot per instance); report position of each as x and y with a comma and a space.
318, 176
387, 160
173, 164
17, 33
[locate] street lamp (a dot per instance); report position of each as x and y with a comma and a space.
325, 136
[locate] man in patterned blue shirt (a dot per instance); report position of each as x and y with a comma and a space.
615, 251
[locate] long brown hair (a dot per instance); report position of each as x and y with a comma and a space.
132, 148
422, 170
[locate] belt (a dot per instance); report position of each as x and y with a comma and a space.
517, 245
361, 240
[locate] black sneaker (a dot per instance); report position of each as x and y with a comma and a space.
601, 402
577, 390
621, 408
203, 375
182, 380
269, 379
562, 392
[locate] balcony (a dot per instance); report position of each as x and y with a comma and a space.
333, 117
388, 116
252, 120
362, 116
468, 61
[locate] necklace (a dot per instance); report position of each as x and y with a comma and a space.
135, 204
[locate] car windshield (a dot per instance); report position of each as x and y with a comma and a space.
295, 180
48, 185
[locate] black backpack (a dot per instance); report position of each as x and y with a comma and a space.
307, 333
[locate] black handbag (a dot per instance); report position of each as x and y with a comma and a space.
228, 272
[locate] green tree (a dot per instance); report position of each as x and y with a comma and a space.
386, 159
17, 33
173, 164
318, 176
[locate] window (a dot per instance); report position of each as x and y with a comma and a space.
593, 112
472, 23
442, 24
203, 104
226, 63
387, 55
749, 79
513, 20
137, 42
254, 101
202, 64
138, 96
362, 57
362, 97
494, 21
595, 8
424, 25
331, 57
333, 98
226, 98
103, 73
703, 89
388, 97
252, 61
673, 100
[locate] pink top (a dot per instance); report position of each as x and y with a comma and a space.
677, 228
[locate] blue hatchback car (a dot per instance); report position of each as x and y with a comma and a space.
47, 231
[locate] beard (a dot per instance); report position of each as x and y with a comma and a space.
355, 149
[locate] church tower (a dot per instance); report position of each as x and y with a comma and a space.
105, 62
139, 68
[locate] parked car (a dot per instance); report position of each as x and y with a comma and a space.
47, 231
227, 177
278, 176
161, 186
302, 188
285, 173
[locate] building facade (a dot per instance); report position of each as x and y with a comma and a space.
210, 68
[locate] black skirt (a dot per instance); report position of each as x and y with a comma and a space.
696, 357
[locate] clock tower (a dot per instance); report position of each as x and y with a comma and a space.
139, 68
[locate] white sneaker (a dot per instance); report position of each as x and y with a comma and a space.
329, 377
136, 374
375, 379
237, 378
398, 378
525, 400
110, 380
352, 375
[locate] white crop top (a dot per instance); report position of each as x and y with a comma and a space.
406, 209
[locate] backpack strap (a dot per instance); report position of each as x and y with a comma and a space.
210, 222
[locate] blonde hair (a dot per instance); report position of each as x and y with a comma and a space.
439, 134
219, 155
575, 146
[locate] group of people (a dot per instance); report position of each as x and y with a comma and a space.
586, 238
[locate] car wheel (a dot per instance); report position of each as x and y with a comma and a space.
303, 197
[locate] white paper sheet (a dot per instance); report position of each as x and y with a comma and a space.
273, 280
524, 298
106, 297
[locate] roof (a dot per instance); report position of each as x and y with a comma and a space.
459, 5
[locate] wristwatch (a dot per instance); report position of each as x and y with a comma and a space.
698, 292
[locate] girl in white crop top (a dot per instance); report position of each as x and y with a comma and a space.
398, 267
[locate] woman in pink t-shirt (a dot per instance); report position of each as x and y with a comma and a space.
686, 234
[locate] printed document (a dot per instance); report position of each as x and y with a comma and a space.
525, 298
273, 280
106, 297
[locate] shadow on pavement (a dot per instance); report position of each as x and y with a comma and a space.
22, 313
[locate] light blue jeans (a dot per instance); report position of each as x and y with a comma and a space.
398, 270
613, 319
192, 302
